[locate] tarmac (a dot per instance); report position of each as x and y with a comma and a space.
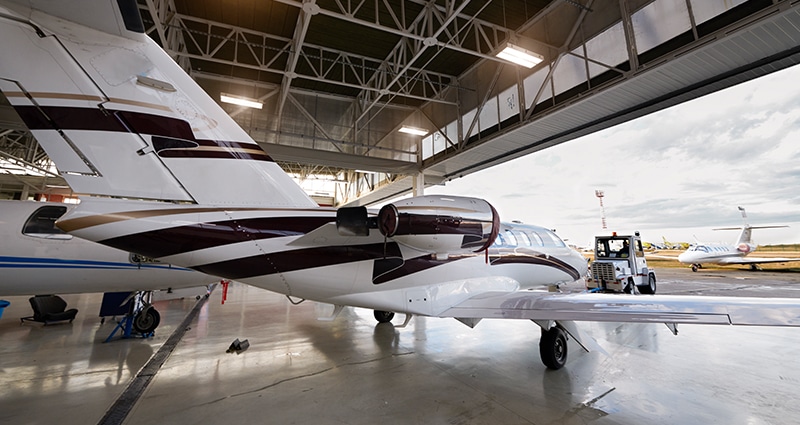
300, 370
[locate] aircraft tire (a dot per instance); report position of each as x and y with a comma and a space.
694, 267
553, 348
147, 320
650, 288
383, 316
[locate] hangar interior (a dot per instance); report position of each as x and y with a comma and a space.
335, 82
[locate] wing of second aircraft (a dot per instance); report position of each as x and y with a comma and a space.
755, 260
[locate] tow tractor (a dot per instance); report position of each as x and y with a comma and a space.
619, 266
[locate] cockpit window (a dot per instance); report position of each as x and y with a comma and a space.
524, 239
549, 238
42, 223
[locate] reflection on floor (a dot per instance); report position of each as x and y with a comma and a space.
352, 371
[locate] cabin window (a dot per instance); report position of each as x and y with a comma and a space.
536, 239
42, 223
510, 239
523, 237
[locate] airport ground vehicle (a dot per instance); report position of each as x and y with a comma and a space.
619, 266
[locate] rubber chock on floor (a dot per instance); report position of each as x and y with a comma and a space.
238, 346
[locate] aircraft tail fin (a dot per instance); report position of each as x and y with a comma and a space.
745, 237
120, 118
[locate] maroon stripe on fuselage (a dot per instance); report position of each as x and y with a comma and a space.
508, 256
300, 259
411, 266
178, 240
429, 224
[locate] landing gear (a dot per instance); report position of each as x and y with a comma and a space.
755, 267
553, 348
146, 320
383, 316
140, 317
650, 287
696, 267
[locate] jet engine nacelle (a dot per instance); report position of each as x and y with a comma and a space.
440, 224
745, 247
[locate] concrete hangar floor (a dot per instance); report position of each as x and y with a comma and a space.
299, 370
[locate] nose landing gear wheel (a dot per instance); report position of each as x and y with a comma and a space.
147, 320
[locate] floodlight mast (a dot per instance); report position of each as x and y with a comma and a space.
600, 194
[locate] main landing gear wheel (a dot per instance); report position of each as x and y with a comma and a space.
650, 288
383, 316
147, 320
553, 348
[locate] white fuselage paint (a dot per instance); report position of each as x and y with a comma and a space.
63, 264
710, 253
280, 262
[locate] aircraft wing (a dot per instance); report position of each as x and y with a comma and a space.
671, 309
662, 257
755, 260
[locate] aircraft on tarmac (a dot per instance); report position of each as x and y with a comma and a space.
737, 253
174, 178
674, 245
38, 258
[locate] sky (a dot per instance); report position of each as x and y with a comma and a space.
677, 173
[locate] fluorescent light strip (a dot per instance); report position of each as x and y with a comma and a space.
413, 130
240, 101
520, 56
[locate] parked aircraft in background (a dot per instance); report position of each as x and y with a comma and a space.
737, 253
121, 120
37, 258
674, 245
650, 246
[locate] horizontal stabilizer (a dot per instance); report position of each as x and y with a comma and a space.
751, 227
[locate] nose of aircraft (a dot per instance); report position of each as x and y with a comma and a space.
579, 262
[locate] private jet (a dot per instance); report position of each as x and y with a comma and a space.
167, 174
725, 254
38, 258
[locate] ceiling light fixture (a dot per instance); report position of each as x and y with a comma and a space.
413, 130
520, 56
236, 100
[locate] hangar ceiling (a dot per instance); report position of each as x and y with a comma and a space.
338, 78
